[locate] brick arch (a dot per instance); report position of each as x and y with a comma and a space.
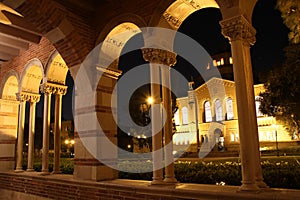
55, 22
10, 74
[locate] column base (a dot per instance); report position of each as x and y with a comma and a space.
157, 182
261, 184
170, 180
30, 170
19, 170
56, 172
45, 173
249, 187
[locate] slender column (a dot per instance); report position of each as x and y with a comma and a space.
168, 133
22, 107
46, 128
31, 136
57, 132
242, 35
157, 153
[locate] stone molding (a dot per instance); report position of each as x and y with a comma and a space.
52, 88
159, 56
110, 71
238, 28
26, 96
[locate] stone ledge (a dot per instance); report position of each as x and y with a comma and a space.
66, 187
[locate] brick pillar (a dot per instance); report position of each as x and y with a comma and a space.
8, 133
93, 100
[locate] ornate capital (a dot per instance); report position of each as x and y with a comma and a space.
159, 56
52, 88
238, 28
26, 96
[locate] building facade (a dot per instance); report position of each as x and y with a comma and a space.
208, 114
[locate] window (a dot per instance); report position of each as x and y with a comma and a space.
257, 105
185, 119
176, 118
218, 107
215, 63
207, 109
222, 61
229, 109
232, 137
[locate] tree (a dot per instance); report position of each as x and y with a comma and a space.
290, 13
282, 94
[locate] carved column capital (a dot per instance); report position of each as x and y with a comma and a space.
52, 88
159, 56
26, 96
238, 28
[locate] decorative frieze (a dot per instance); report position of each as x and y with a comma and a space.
159, 56
238, 28
26, 96
52, 88
174, 21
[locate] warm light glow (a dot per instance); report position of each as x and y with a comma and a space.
72, 141
129, 146
67, 141
3, 18
150, 100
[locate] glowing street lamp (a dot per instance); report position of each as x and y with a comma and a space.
150, 100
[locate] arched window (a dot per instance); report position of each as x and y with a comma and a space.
229, 109
207, 109
257, 105
185, 119
176, 118
218, 107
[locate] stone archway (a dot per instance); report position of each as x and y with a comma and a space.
28, 91
53, 84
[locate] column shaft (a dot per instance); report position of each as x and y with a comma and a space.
248, 145
168, 134
253, 121
57, 131
156, 125
22, 107
31, 136
46, 131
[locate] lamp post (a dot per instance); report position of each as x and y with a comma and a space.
276, 140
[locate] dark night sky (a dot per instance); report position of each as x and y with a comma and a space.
203, 26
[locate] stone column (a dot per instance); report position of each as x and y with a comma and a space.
241, 35
168, 133
33, 99
46, 127
150, 55
20, 142
57, 127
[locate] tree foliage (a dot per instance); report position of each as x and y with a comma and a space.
290, 13
282, 94
281, 98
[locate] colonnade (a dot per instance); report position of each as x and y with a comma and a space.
48, 89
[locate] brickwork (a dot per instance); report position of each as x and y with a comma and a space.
64, 187
41, 51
